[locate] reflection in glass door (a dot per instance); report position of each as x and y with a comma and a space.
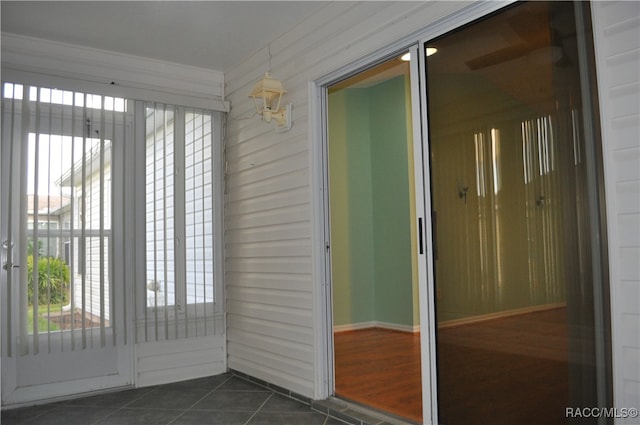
519, 307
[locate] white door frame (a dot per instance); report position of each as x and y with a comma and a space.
323, 296
323, 320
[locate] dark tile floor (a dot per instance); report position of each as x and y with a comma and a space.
221, 400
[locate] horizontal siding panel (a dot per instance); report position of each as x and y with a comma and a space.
631, 396
631, 362
625, 131
617, 62
277, 184
283, 331
626, 100
276, 347
621, 36
630, 296
171, 361
161, 348
262, 219
629, 264
255, 136
169, 375
628, 197
625, 67
631, 330
268, 265
629, 226
616, 11
262, 202
248, 155
280, 314
284, 298
274, 376
286, 248
282, 364
257, 169
289, 231
628, 164
277, 281
185, 359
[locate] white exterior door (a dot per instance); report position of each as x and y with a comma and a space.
64, 316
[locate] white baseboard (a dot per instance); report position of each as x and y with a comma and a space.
376, 324
499, 315
448, 323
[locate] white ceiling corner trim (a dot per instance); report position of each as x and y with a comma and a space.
145, 78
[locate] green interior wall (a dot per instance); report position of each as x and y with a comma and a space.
373, 274
350, 207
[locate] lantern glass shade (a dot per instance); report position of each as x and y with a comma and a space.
267, 94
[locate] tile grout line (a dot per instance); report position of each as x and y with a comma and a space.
199, 400
121, 407
114, 411
103, 417
258, 409
139, 397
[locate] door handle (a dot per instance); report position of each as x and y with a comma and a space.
6, 266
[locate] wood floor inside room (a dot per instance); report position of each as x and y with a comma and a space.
380, 368
512, 370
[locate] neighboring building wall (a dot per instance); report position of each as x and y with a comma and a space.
270, 277
91, 276
617, 45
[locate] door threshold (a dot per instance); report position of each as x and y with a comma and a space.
357, 414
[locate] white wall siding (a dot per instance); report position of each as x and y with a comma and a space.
270, 276
617, 37
191, 358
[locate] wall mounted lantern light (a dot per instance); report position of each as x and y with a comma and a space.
267, 95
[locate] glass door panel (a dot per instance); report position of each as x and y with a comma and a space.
374, 259
61, 289
517, 330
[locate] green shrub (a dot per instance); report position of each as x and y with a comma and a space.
53, 280
40, 247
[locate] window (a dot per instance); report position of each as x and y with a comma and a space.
180, 209
65, 97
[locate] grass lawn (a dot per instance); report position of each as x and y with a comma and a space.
42, 322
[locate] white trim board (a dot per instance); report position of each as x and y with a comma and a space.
149, 79
376, 324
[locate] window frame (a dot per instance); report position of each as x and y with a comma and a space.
182, 310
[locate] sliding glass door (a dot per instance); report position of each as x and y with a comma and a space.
520, 295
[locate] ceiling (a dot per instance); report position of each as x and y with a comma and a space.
208, 34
